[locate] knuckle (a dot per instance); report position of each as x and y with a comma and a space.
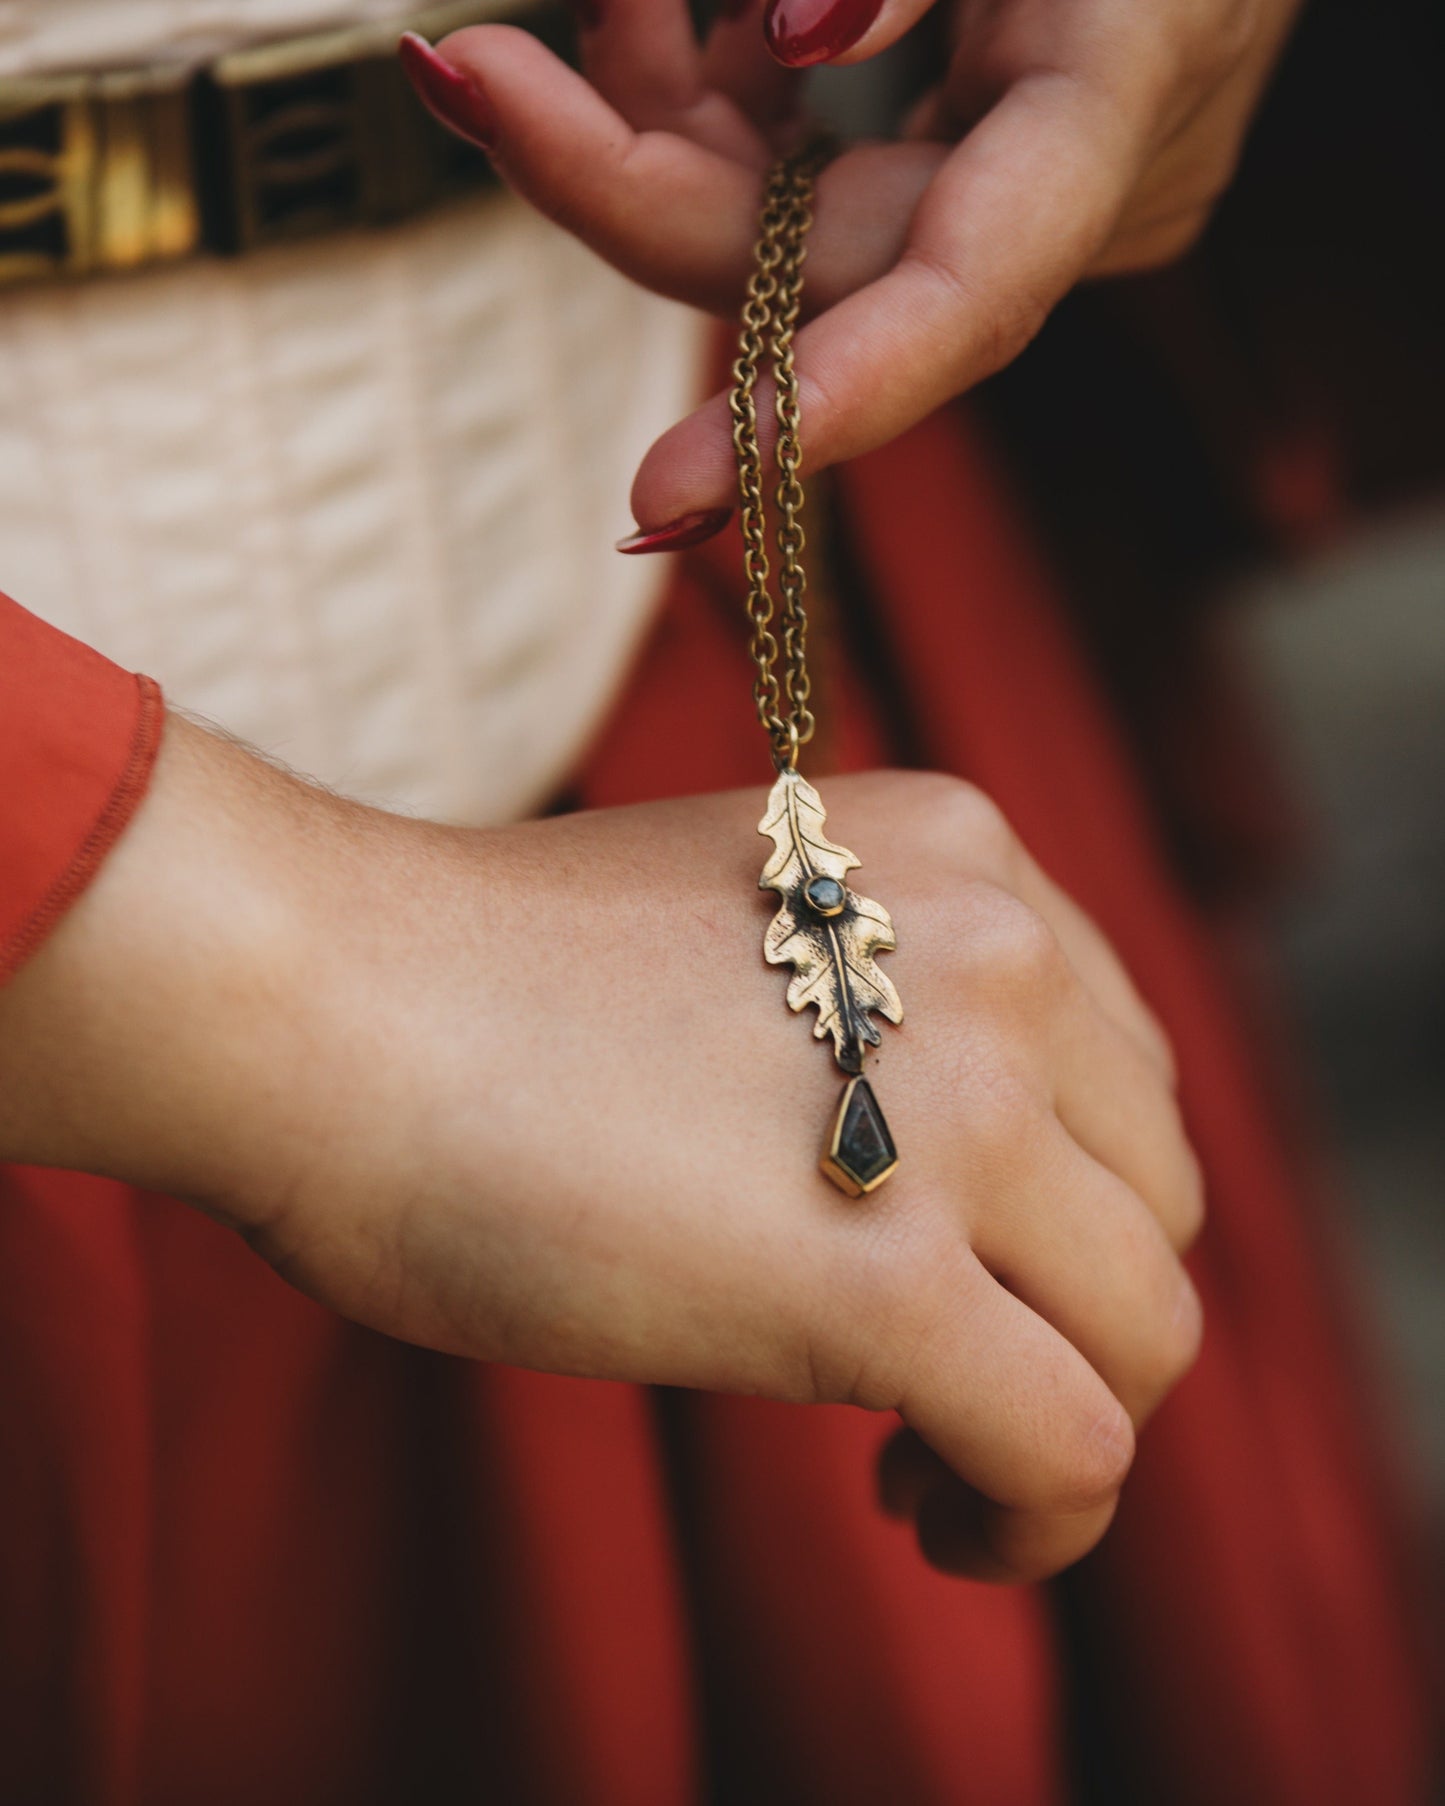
1187, 1330
1165, 1322
1180, 1201
1193, 1207
1003, 329
975, 822
1215, 53
927, 793
563, 208
1092, 1468
959, 815
1158, 1039
1179, 62
1022, 948
1174, 1345
1004, 965
1165, 241
998, 326
942, 273
999, 1115
819, 407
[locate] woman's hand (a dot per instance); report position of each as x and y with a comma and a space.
1067, 138
532, 1095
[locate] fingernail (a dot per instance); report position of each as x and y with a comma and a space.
687, 530
800, 32
454, 98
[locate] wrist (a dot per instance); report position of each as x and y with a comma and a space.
144, 1040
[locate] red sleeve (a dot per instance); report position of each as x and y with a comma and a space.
78, 739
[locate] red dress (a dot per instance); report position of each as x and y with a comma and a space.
253, 1553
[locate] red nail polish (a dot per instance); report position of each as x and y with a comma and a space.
454, 98
686, 530
800, 32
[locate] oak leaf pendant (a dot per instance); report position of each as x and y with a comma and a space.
827, 932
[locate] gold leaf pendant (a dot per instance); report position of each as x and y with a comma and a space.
830, 935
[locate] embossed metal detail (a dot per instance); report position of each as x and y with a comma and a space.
832, 952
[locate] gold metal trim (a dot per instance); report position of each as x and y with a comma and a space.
143, 206
121, 169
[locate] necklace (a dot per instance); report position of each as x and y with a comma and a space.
827, 932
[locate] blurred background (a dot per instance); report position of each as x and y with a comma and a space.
1348, 649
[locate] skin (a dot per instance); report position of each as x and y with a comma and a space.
531, 1095
1066, 139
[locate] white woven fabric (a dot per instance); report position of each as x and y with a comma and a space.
353, 499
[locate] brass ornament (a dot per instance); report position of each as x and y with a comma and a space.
827, 932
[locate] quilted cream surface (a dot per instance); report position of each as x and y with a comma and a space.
353, 499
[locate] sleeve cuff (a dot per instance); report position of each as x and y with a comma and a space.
78, 742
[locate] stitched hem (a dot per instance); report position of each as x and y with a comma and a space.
120, 806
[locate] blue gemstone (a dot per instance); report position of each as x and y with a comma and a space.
826, 895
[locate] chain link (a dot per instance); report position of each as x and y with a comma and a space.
770, 317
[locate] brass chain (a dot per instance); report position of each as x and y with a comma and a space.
770, 317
